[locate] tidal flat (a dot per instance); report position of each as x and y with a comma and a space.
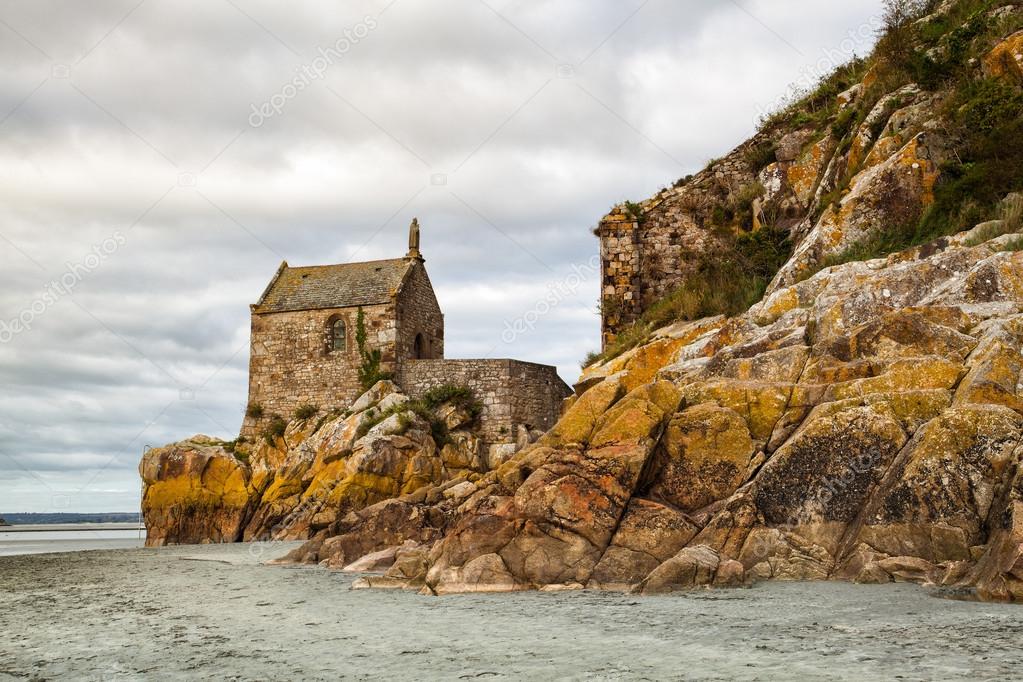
215, 612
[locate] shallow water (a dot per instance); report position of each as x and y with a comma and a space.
212, 613
46, 539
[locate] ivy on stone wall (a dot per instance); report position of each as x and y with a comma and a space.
369, 370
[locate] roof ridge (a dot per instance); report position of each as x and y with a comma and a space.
342, 265
344, 285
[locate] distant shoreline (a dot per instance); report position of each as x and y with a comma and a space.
66, 518
66, 527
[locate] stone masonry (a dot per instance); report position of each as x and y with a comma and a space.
514, 394
299, 357
644, 256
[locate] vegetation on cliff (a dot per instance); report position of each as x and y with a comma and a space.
944, 56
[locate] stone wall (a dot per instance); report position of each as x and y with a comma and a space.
419, 313
513, 393
291, 363
645, 257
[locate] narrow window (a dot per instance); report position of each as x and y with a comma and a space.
338, 336
419, 348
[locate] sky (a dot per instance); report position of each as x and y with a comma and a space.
160, 158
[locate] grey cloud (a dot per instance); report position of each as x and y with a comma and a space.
151, 346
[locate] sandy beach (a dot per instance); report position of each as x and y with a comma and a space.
213, 612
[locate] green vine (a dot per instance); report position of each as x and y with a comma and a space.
369, 370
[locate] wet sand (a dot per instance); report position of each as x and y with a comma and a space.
213, 613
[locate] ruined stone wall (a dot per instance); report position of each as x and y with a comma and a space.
419, 313
291, 363
513, 393
645, 257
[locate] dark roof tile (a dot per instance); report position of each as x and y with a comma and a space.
334, 286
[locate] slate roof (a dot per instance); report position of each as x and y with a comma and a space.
333, 286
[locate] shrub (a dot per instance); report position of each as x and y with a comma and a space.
844, 122
254, 410
1010, 221
303, 412
895, 45
760, 156
741, 203
460, 396
727, 282
274, 430
682, 181
985, 115
635, 211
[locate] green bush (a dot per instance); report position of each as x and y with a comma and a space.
727, 282
760, 156
460, 396
986, 116
635, 211
274, 430
303, 412
254, 410
844, 122
741, 203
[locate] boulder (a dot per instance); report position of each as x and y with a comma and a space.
649, 534
1006, 59
691, 567
195, 492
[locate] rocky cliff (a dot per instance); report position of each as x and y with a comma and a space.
298, 478
862, 425
862, 420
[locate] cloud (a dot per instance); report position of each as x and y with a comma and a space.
508, 127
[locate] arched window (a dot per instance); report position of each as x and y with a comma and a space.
338, 336
419, 347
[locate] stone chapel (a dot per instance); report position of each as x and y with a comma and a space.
304, 349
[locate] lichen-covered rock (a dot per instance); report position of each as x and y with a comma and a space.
706, 454
195, 492
648, 535
305, 481
691, 567
1006, 59
895, 190
864, 424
